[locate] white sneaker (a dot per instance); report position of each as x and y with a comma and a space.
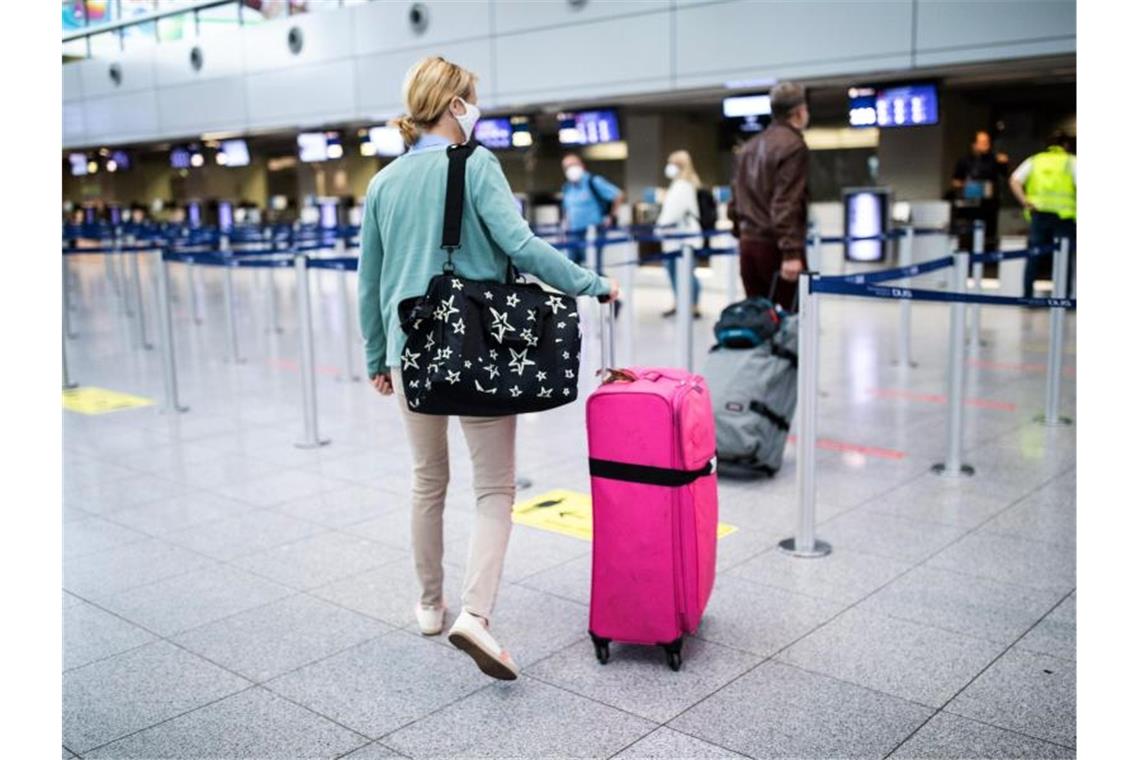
470, 634
430, 619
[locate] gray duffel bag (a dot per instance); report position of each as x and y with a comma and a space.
753, 392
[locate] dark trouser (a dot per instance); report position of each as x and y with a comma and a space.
1044, 228
760, 262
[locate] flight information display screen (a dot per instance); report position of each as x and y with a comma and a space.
78, 163
494, 133
180, 158
236, 153
386, 141
913, 105
588, 127
313, 146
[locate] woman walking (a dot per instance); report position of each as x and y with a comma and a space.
681, 213
400, 252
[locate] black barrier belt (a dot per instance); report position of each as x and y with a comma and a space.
900, 272
654, 476
838, 286
69, 251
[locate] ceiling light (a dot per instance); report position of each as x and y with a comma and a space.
197, 160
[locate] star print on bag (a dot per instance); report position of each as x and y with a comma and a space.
555, 303
446, 309
528, 336
492, 371
501, 325
430, 342
512, 300
519, 362
459, 327
457, 283
452, 377
409, 359
515, 392
530, 316
540, 375
545, 392
488, 295
481, 389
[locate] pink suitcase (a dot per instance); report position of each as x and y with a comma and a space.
652, 443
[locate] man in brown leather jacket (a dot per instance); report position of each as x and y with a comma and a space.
770, 198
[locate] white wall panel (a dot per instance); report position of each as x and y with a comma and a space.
747, 36
379, 78
547, 64
222, 56
1003, 51
327, 37
137, 69
383, 26
72, 83
521, 15
308, 94
956, 24
121, 118
213, 105
74, 130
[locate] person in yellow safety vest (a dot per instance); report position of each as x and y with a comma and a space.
1046, 186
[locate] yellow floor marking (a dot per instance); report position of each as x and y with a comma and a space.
92, 400
570, 513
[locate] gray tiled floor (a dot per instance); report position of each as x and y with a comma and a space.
230, 595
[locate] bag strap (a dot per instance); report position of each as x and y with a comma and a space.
783, 353
457, 156
767, 413
654, 476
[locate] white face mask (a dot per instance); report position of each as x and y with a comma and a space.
468, 119
574, 172
672, 170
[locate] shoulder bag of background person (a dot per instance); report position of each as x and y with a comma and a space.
604, 207
486, 349
753, 393
653, 484
706, 207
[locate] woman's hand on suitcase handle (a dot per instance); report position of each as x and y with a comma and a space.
613, 295
382, 382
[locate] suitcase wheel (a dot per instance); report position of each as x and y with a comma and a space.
673, 654
601, 648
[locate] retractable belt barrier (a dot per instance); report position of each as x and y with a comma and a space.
843, 286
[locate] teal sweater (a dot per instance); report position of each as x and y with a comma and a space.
400, 242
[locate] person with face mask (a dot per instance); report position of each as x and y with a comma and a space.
399, 254
681, 213
588, 200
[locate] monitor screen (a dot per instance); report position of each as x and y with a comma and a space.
78, 163
120, 159
387, 141
900, 106
865, 215
588, 127
747, 105
236, 153
313, 146
907, 106
494, 133
180, 158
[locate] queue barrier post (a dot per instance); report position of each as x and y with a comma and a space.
628, 322
684, 282
311, 439
228, 265
906, 258
67, 384
68, 328
955, 407
195, 283
166, 337
814, 247
1052, 416
140, 308
349, 375
805, 543
977, 270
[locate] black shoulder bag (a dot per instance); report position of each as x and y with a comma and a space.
486, 349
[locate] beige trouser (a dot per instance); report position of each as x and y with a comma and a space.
491, 441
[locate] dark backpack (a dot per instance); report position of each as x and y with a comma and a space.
706, 206
604, 206
747, 324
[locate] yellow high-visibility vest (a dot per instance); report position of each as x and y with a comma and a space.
1050, 186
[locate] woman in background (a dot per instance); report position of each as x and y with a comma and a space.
679, 214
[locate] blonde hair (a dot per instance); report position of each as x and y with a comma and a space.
683, 161
428, 88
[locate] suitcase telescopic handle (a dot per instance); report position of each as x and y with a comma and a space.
609, 318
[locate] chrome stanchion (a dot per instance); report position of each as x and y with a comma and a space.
68, 329
977, 269
231, 311
805, 543
67, 384
628, 323
1052, 416
271, 297
685, 307
906, 258
195, 281
349, 334
815, 248
140, 308
166, 337
311, 438
732, 277
955, 407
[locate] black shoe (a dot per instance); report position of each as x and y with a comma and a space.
671, 313
696, 313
